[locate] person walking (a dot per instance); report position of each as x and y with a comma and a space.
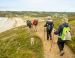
49, 27
64, 35
35, 23
29, 24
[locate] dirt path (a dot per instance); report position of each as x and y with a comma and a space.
54, 53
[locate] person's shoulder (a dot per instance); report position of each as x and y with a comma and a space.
66, 24
61, 26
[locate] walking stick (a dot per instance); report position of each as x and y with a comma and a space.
44, 33
51, 45
52, 41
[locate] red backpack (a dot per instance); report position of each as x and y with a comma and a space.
35, 22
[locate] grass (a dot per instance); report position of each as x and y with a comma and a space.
72, 43
15, 43
56, 22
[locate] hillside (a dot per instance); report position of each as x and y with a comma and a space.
15, 43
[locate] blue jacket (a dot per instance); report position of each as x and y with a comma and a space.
49, 23
60, 28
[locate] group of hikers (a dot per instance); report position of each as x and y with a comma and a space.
31, 23
63, 32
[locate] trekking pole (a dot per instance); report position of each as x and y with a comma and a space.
52, 41
51, 44
44, 33
54, 36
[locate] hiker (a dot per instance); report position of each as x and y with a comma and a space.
64, 35
35, 23
49, 27
29, 24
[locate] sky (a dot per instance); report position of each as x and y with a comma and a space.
38, 5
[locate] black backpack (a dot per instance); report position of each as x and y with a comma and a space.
29, 23
48, 26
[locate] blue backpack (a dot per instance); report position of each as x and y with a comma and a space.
48, 27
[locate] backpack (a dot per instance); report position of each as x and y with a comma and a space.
48, 26
35, 22
66, 35
29, 23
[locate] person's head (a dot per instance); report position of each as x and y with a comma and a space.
49, 18
65, 20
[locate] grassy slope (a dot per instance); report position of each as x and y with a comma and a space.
15, 43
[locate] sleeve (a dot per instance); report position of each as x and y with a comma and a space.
58, 30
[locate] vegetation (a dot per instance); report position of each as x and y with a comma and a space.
34, 14
15, 43
72, 43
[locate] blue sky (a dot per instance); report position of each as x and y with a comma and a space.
37, 5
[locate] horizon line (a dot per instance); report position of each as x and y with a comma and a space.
34, 11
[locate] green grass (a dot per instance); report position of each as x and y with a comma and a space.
15, 43
72, 43
57, 22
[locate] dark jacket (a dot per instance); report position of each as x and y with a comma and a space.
29, 23
60, 28
49, 23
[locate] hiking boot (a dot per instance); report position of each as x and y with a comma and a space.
61, 53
